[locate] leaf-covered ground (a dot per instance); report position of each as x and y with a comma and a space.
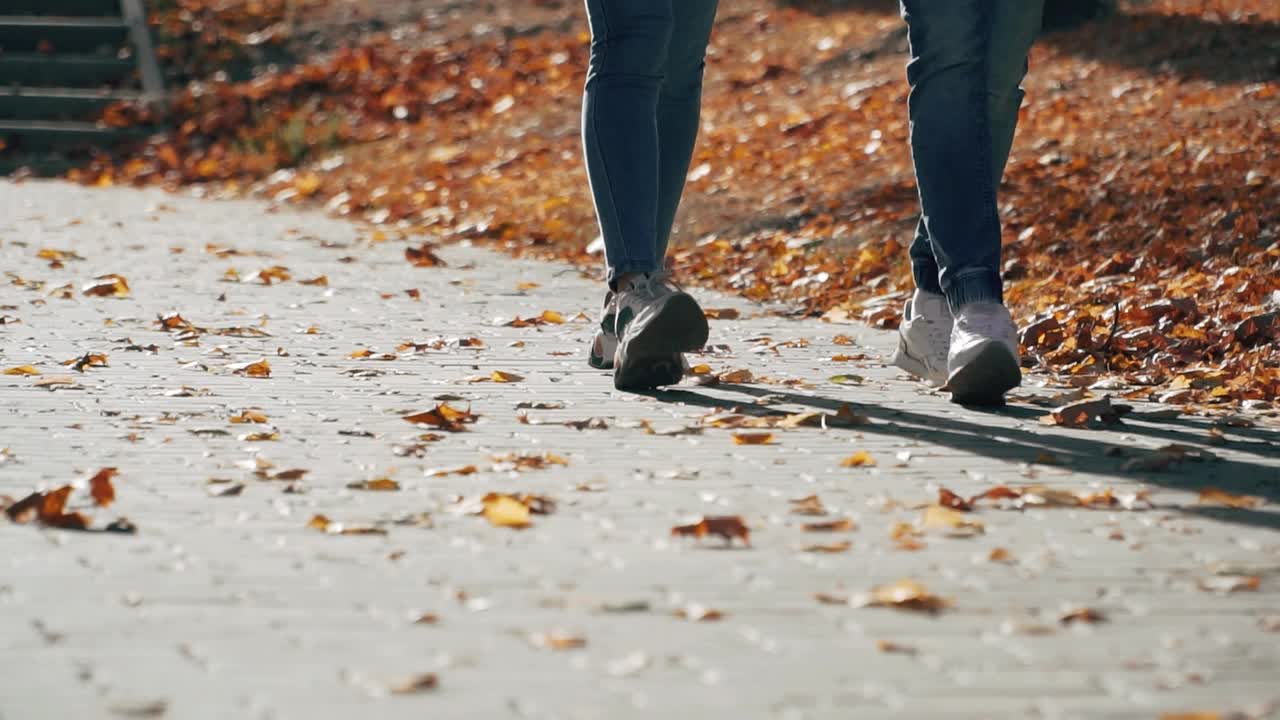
1140, 204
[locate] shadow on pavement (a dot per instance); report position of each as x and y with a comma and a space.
1017, 445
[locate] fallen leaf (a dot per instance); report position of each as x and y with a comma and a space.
1080, 414
500, 376
862, 458
1083, 615
248, 416
424, 682
888, 646
110, 285
100, 487
229, 490
828, 548
443, 416
86, 360
810, 505
557, 641
738, 377
721, 313
319, 280
259, 368
460, 470
506, 511
329, 527
1215, 496
1224, 584
698, 613
729, 527
21, 370
839, 525
377, 484
902, 595
753, 438
952, 522
948, 499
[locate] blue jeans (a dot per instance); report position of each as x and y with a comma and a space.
968, 58
640, 116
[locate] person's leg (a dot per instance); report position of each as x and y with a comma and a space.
679, 107
951, 144
1015, 26
629, 43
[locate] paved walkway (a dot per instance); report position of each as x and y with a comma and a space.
231, 606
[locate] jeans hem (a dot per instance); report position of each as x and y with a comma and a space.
977, 287
926, 279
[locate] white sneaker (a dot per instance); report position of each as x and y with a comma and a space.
983, 361
605, 342
657, 322
924, 338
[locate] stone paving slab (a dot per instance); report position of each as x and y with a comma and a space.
225, 607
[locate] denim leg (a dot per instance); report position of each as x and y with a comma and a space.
629, 42
951, 143
1015, 26
679, 107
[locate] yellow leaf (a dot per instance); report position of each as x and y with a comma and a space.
500, 376
21, 370
862, 458
506, 511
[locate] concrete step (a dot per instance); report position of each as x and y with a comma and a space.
42, 164
33, 103
95, 8
22, 136
98, 35
71, 70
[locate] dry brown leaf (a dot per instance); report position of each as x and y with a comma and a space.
100, 487
698, 613
888, 646
557, 641
838, 525
1225, 584
729, 527
249, 416
111, 285
827, 548
952, 522
902, 595
809, 505
329, 527
377, 484
1082, 615
721, 313
443, 416
761, 438
424, 682
1215, 496
259, 368
948, 499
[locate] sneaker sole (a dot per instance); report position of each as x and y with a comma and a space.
986, 378
906, 361
652, 357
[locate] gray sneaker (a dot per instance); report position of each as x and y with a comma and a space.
657, 322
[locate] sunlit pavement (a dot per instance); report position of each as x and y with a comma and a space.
232, 599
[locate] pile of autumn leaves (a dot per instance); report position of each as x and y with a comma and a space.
1149, 271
